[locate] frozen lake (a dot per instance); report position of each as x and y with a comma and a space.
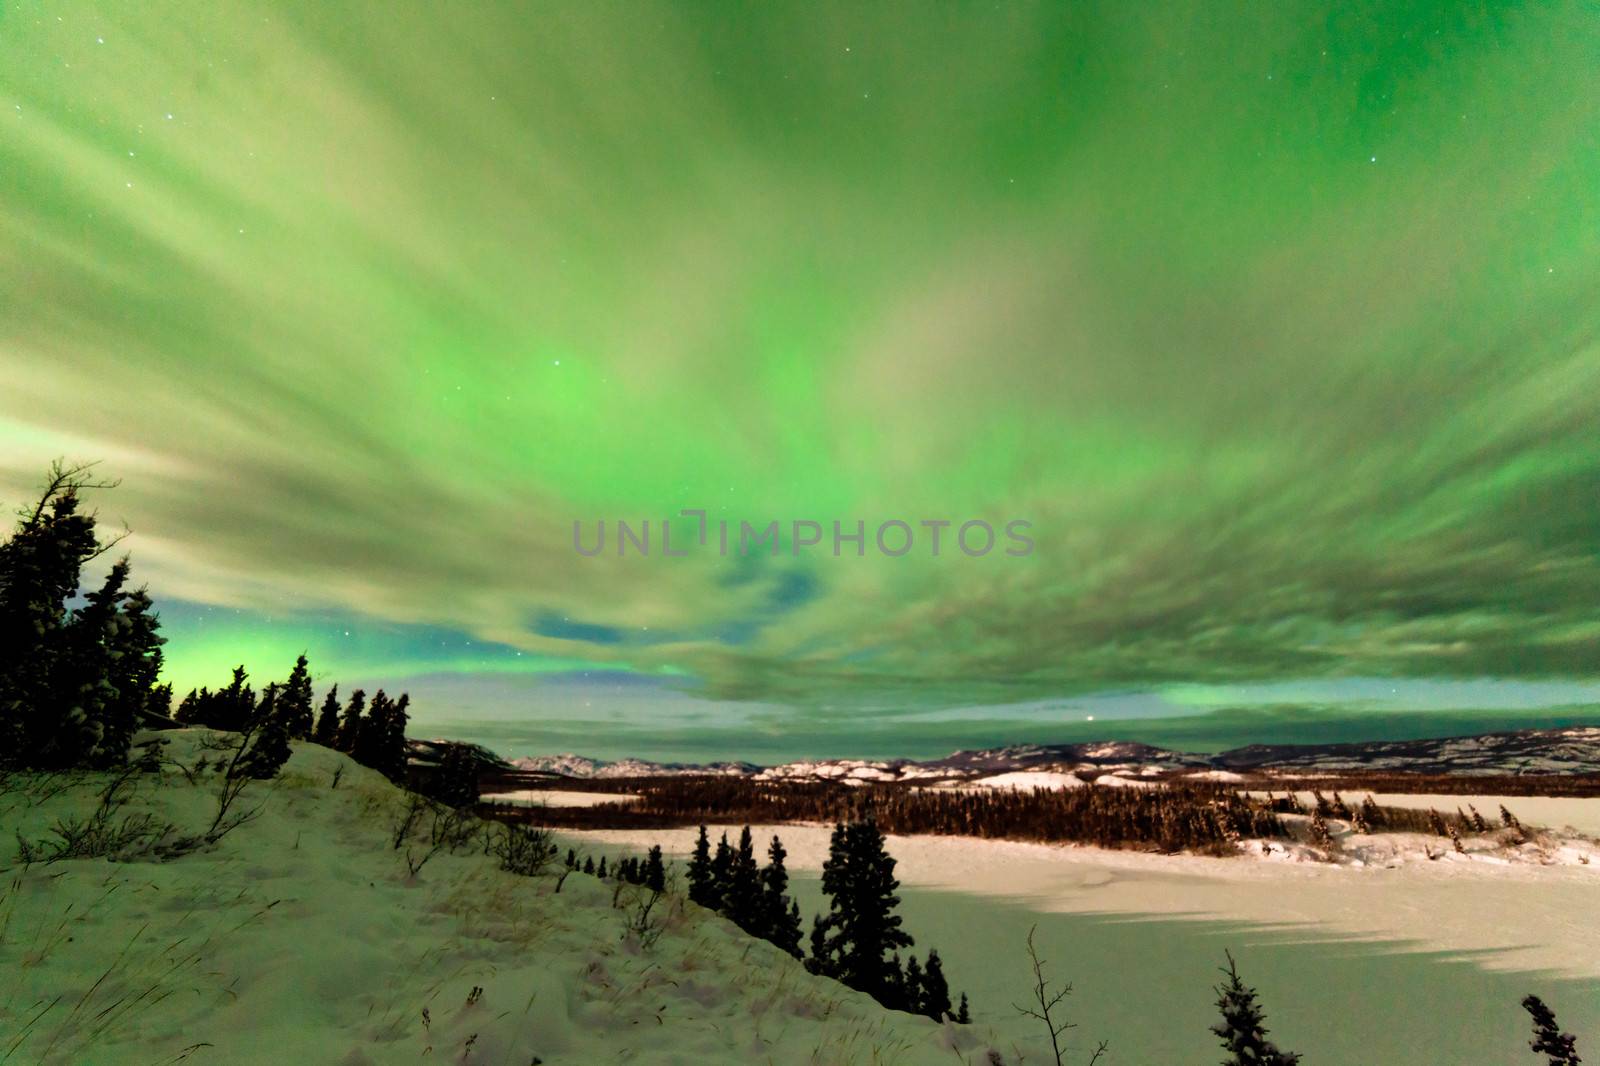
1423, 964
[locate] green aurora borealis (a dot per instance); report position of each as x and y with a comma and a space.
1277, 321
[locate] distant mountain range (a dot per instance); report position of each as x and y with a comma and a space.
1573, 750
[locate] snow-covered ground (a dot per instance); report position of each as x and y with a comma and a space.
1530, 907
555, 797
303, 937
1421, 963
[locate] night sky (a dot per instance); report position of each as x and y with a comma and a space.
1277, 322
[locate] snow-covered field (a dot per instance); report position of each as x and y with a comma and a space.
303, 937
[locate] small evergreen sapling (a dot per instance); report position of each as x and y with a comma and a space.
1560, 1049
1241, 1030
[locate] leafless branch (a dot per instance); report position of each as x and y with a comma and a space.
1047, 1001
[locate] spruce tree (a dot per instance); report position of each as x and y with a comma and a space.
160, 701
234, 706
86, 691
655, 872
702, 882
821, 960
742, 897
909, 990
269, 745
861, 926
326, 732
934, 998
350, 722
1241, 1031
394, 755
40, 567
294, 701
1560, 1049
600, 871
368, 749
189, 708
780, 917
139, 658
963, 1013
722, 872
588, 864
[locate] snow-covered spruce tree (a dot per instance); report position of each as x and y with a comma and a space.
861, 926
73, 684
90, 734
294, 701
702, 883
1561, 1049
139, 658
780, 916
326, 731
40, 566
1320, 836
269, 744
1241, 1031
350, 722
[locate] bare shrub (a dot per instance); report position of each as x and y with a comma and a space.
521, 849
103, 834
449, 830
1045, 1004
641, 919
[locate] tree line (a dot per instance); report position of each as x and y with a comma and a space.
857, 942
1170, 818
373, 735
80, 669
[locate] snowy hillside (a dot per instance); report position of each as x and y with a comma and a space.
310, 934
1573, 750
569, 765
